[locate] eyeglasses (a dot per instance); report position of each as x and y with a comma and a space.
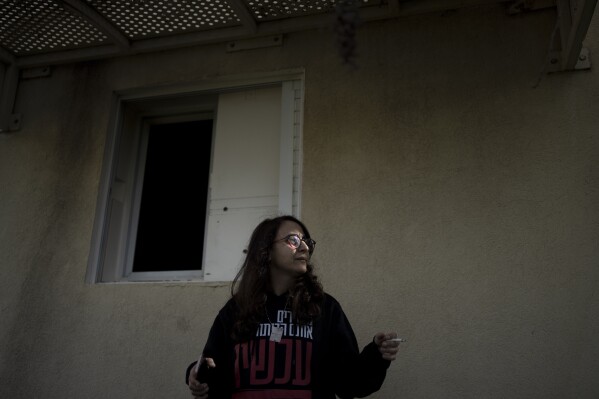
295, 241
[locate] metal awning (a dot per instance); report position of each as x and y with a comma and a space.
40, 33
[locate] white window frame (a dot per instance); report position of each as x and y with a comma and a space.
177, 103
136, 201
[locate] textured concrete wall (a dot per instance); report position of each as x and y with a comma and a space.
450, 199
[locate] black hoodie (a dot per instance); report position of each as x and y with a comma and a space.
316, 361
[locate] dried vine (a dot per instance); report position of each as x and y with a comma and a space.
346, 23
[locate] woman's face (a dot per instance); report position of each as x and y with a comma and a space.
283, 257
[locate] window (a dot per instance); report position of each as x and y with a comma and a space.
173, 196
187, 175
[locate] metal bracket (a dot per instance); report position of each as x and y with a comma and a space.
574, 18
584, 59
258, 42
520, 6
9, 122
32, 73
556, 61
565, 51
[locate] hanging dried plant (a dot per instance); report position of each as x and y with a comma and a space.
346, 23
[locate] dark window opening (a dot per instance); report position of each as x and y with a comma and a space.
170, 233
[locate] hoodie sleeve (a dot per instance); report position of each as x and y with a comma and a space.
218, 347
358, 374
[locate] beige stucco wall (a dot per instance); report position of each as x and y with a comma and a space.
451, 201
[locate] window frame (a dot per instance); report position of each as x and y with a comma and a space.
138, 108
140, 166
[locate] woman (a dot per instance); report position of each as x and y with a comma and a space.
281, 336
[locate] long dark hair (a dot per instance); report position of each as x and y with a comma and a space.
252, 283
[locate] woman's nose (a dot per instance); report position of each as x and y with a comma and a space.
303, 246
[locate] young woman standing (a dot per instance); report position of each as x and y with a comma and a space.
280, 336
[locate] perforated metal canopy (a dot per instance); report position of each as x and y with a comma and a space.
40, 33
35, 27
45, 32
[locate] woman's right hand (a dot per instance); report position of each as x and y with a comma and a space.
197, 388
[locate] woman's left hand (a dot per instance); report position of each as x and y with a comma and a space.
387, 347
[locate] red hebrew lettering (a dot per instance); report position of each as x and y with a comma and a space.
298, 380
288, 359
255, 368
240, 358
